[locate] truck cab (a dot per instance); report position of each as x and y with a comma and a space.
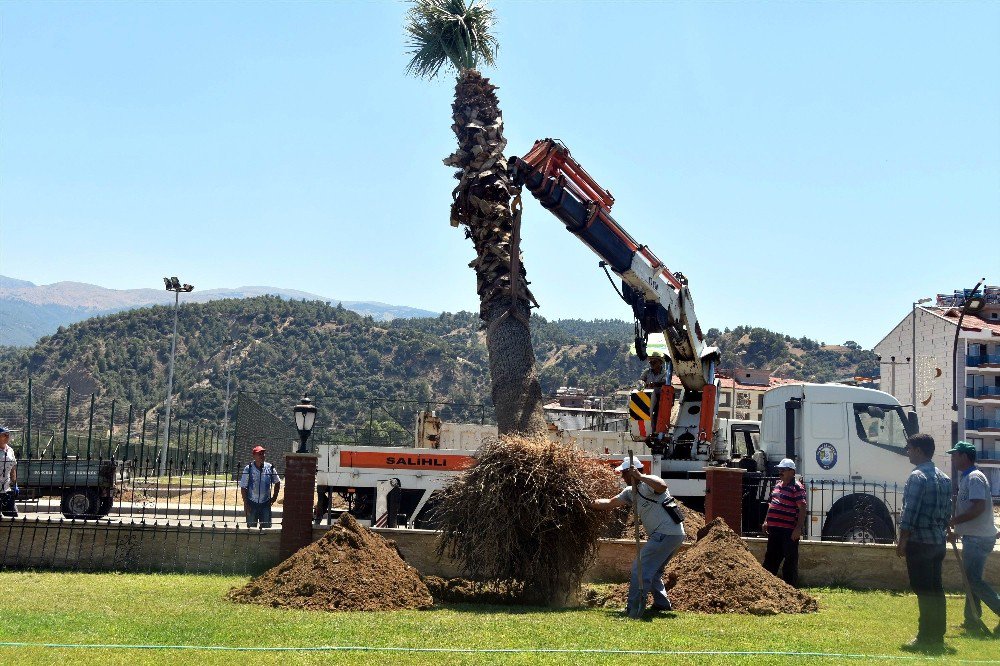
849, 445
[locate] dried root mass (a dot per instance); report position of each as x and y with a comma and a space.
522, 514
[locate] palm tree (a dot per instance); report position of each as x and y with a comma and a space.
446, 34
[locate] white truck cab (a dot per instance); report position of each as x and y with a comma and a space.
849, 446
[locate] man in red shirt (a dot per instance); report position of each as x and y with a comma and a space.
786, 514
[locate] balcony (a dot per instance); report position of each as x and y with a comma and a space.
982, 360
982, 424
990, 456
982, 392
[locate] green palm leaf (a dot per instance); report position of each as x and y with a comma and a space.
449, 32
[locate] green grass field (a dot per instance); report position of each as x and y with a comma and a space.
173, 610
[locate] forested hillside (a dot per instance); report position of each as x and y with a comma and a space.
290, 347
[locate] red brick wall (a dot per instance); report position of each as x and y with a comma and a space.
297, 510
724, 496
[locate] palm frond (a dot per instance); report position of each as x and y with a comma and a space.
449, 32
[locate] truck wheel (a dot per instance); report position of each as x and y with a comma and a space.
855, 528
80, 503
106, 504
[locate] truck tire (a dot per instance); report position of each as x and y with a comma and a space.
80, 504
855, 528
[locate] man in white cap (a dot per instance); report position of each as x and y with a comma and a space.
8, 475
665, 528
786, 514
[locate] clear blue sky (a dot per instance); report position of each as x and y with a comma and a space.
811, 167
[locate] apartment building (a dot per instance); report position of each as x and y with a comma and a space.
925, 366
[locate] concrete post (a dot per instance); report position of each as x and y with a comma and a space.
297, 510
724, 496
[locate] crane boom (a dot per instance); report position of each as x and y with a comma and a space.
660, 299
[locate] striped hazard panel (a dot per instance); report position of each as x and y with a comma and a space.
640, 406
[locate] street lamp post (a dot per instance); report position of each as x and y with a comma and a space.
305, 418
913, 352
174, 285
972, 304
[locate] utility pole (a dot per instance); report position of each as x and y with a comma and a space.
225, 418
892, 362
174, 285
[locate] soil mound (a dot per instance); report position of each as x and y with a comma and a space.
719, 574
349, 569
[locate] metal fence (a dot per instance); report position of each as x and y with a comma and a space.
267, 419
835, 510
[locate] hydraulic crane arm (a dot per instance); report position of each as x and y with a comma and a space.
660, 300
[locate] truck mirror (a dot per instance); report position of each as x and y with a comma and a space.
912, 423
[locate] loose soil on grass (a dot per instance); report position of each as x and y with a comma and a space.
718, 574
349, 569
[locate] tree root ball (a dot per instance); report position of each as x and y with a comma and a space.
522, 513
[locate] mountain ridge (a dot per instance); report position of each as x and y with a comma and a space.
29, 311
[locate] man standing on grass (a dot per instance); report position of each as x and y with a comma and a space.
255, 486
664, 527
973, 522
922, 528
786, 514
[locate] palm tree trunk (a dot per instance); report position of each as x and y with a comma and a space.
482, 203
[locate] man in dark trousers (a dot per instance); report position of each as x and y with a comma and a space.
922, 529
786, 514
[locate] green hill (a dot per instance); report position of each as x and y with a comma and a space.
284, 348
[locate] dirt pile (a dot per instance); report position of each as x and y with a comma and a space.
718, 574
349, 569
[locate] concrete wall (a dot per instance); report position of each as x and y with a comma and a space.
159, 548
30, 544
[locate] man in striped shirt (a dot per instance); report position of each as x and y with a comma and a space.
786, 514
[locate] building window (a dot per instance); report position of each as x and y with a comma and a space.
760, 402
743, 401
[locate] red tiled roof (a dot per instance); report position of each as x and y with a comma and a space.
727, 383
971, 322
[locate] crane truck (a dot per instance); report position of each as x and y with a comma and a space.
846, 436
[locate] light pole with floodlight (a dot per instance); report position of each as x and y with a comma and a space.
174, 285
305, 418
972, 304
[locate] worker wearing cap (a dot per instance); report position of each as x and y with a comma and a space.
8, 475
665, 534
786, 514
256, 484
973, 521
655, 376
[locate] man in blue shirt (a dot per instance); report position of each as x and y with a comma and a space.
255, 486
922, 529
